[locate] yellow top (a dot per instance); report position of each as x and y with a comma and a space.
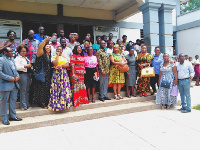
61, 60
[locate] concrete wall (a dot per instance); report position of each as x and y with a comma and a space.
132, 34
188, 41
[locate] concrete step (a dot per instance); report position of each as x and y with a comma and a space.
37, 111
79, 115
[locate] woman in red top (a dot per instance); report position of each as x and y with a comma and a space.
77, 77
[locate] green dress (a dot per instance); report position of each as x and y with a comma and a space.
116, 76
143, 85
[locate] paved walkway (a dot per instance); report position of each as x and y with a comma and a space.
150, 130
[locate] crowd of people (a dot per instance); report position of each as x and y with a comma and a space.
57, 73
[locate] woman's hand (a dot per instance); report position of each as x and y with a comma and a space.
28, 65
59, 67
46, 39
141, 66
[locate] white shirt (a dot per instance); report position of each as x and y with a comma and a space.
185, 70
67, 52
20, 62
109, 51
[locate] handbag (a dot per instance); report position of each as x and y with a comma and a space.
148, 72
125, 68
174, 91
165, 84
40, 76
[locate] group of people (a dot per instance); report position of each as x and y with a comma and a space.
57, 73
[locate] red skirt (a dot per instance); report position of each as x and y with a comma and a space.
197, 70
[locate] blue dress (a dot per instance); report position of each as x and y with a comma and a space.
164, 94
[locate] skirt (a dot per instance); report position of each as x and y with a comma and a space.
197, 70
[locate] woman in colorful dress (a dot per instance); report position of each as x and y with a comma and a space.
43, 60
60, 91
131, 74
168, 73
91, 68
78, 87
143, 60
116, 78
10, 43
196, 64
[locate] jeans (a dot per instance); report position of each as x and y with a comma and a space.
184, 89
103, 86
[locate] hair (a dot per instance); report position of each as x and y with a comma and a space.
87, 40
165, 54
75, 50
97, 37
181, 54
195, 56
59, 46
110, 34
5, 49
124, 36
8, 33
20, 47
45, 50
186, 55
117, 40
116, 45
157, 47
131, 48
191, 57
103, 37
143, 45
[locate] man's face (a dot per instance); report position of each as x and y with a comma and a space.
9, 53
62, 33
103, 44
41, 30
181, 58
31, 34
63, 43
110, 36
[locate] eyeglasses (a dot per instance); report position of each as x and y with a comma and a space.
23, 51
12, 34
10, 51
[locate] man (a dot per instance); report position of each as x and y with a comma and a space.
61, 36
54, 43
8, 86
32, 45
185, 74
110, 36
40, 36
67, 52
104, 65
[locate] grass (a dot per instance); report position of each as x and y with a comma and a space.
197, 107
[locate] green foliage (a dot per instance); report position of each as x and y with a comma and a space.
197, 107
189, 6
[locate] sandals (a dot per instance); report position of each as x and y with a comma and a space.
127, 95
120, 96
163, 107
116, 97
93, 101
168, 107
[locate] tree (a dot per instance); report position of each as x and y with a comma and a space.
189, 6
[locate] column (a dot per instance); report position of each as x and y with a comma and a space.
166, 28
151, 25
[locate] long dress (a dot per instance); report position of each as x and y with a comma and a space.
143, 82
163, 96
78, 87
116, 76
131, 81
41, 90
60, 90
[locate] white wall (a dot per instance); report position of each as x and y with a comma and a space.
132, 34
189, 41
188, 17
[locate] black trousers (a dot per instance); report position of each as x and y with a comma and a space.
154, 81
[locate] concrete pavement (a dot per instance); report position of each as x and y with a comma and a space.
149, 130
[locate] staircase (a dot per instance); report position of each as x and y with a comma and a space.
38, 117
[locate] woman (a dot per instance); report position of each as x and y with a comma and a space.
24, 69
43, 61
10, 43
196, 64
60, 91
116, 78
143, 60
158, 59
131, 74
96, 46
72, 40
91, 68
168, 73
79, 93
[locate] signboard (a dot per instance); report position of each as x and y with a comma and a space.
6, 25
102, 30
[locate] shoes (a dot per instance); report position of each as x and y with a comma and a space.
6, 122
181, 109
153, 93
133, 95
102, 99
141, 94
127, 95
93, 101
107, 98
185, 111
15, 119
120, 97
23, 108
145, 94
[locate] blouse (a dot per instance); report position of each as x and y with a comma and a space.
20, 62
61, 60
90, 61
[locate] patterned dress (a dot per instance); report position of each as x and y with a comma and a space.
116, 76
60, 90
13, 47
41, 90
164, 94
78, 87
143, 83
